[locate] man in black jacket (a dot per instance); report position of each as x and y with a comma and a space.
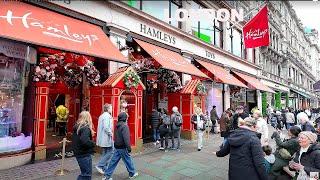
155, 121
122, 148
240, 114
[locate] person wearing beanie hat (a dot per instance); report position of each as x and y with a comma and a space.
308, 156
246, 155
122, 148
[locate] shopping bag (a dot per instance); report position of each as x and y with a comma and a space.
303, 175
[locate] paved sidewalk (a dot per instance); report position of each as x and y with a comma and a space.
151, 164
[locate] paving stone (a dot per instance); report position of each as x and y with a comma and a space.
189, 172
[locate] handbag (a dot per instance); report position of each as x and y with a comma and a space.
303, 175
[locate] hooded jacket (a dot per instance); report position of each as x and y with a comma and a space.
122, 134
310, 159
246, 155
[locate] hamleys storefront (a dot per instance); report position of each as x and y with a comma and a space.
48, 59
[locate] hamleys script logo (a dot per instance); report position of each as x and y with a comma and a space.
49, 28
256, 34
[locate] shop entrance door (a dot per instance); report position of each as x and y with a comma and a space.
130, 98
59, 94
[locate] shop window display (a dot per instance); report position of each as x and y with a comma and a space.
12, 136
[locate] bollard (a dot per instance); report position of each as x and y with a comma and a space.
63, 171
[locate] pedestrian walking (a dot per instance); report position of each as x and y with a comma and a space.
165, 130
105, 137
122, 148
213, 117
155, 122
199, 122
82, 144
246, 156
240, 115
262, 127
225, 125
289, 119
176, 123
306, 125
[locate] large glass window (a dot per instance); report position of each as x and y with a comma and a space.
12, 135
237, 43
156, 8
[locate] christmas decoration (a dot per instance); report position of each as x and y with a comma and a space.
201, 88
171, 79
68, 67
131, 79
141, 64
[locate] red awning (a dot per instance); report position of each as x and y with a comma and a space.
253, 82
220, 74
170, 60
23, 22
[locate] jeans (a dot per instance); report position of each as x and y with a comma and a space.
200, 138
106, 155
156, 134
85, 164
178, 133
127, 160
165, 139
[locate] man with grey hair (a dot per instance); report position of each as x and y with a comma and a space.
176, 122
306, 125
105, 137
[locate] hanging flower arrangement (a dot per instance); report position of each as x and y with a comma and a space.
68, 67
201, 88
131, 79
171, 79
140, 63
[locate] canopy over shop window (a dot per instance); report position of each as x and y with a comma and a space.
31, 24
220, 74
253, 83
170, 60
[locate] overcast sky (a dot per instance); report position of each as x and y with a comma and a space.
308, 12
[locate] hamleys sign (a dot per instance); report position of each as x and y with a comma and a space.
24, 22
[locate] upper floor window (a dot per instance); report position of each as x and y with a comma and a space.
156, 8
234, 41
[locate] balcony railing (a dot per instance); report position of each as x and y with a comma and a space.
274, 77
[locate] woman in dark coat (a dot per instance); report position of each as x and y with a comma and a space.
290, 145
82, 144
246, 155
308, 156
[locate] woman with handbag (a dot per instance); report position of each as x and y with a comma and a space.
307, 159
285, 149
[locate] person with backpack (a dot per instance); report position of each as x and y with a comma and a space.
165, 130
176, 122
155, 122
199, 121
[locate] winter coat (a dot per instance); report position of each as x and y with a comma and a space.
105, 130
262, 127
291, 145
246, 155
213, 116
308, 127
155, 119
82, 143
224, 124
194, 121
235, 119
62, 114
310, 159
122, 136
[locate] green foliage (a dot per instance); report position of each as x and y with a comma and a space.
201, 89
278, 100
264, 103
131, 79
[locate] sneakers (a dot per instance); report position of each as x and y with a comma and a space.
161, 148
199, 149
158, 142
134, 176
100, 170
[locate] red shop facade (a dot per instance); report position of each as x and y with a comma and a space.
58, 57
